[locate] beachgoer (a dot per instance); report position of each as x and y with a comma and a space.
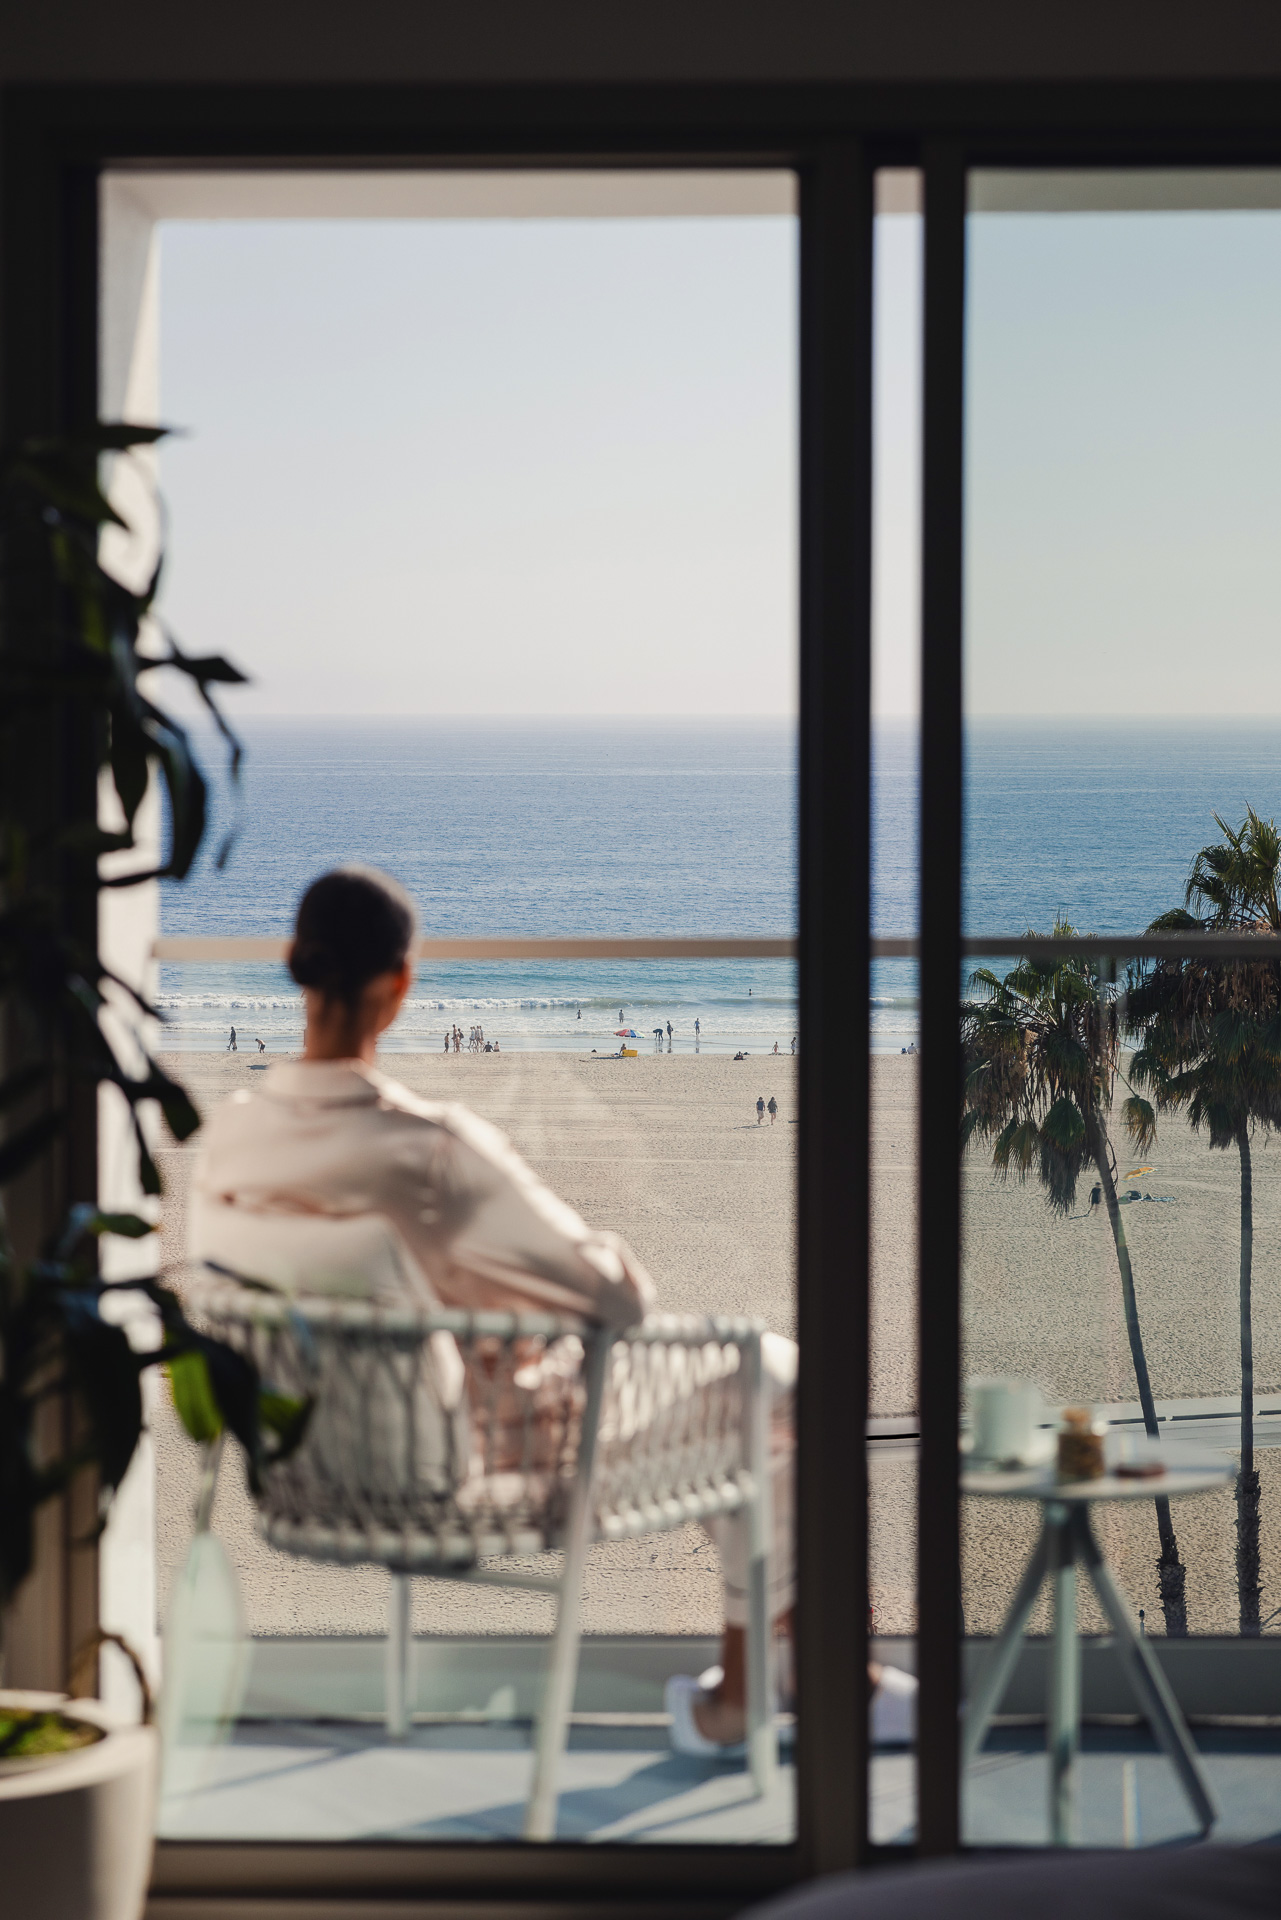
262, 1045
330, 1133
760, 1109
697, 1027
447, 1041
669, 1033
495, 1046
740, 1056
776, 1046
772, 1105
620, 1016
231, 1044
579, 1014
793, 1043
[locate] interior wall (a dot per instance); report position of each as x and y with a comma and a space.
821, 41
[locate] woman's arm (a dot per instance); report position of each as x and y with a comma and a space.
509, 1238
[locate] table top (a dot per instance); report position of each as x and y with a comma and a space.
1039, 1483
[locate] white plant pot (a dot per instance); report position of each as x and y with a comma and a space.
76, 1831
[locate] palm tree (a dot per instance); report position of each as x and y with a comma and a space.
1211, 1043
1042, 1047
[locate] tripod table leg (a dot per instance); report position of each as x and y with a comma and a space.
1159, 1705
994, 1678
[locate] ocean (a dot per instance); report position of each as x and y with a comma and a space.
513, 828
598, 828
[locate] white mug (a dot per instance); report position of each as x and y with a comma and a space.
1003, 1417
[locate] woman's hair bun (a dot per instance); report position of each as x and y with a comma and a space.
352, 925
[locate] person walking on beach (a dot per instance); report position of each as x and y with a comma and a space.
772, 1108
262, 1045
793, 1043
231, 1044
760, 1108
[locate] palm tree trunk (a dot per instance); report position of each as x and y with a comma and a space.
1171, 1575
1248, 1583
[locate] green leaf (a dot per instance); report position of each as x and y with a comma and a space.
285, 1417
128, 1225
193, 1396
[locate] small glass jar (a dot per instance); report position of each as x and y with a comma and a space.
1080, 1445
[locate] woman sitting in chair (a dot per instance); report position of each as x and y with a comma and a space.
331, 1135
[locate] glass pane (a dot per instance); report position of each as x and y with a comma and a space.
495, 500
1122, 688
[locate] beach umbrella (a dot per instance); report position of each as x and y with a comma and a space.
1136, 1173
626, 1033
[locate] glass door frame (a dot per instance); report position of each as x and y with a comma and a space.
55, 143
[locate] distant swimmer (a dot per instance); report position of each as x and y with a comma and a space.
579, 1014
231, 1044
772, 1108
620, 1016
262, 1045
760, 1108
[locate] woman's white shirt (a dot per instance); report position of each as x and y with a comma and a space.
339, 1138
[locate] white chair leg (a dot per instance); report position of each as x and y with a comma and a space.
762, 1739
399, 1651
558, 1694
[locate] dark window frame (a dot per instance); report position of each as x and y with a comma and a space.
55, 142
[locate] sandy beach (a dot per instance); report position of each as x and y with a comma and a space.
665, 1150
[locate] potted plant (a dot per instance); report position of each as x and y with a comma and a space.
76, 1787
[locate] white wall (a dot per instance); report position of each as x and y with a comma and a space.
129, 918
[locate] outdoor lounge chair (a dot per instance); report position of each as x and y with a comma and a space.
442, 1440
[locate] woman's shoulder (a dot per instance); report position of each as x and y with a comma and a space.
449, 1116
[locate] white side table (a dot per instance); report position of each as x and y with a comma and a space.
1067, 1541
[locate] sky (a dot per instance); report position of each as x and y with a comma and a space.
485, 466
549, 466
1123, 504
